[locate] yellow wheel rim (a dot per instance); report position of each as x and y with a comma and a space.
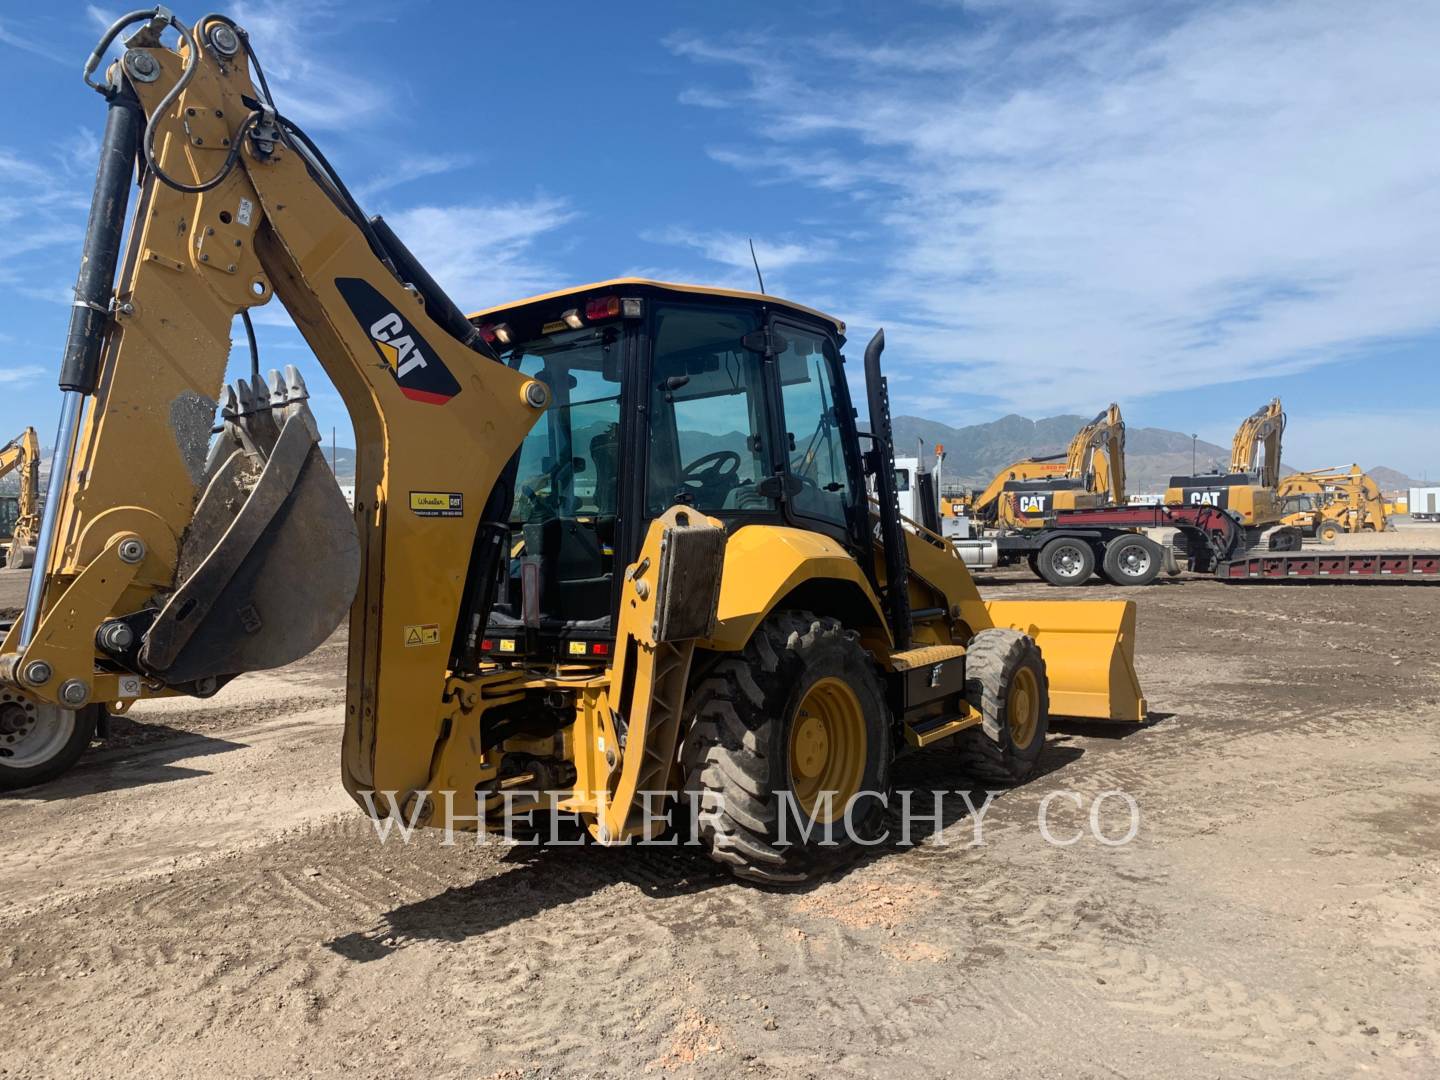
1022, 708
828, 746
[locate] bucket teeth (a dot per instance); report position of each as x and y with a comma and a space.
254, 411
240, 428
278, 396
296, 395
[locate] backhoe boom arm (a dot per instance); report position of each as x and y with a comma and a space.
168, 564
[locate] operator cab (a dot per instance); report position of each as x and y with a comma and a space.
732, 403
9, 515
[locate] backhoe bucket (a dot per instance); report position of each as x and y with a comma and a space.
1089, 651
270, 562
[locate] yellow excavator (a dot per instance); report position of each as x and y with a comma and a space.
1091, 473
612, 552
1250, 490
22, 514
1328, 502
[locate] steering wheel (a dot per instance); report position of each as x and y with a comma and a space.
714, 467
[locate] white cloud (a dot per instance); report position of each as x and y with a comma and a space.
310, 88
484, 254
22, 374
779, 259
38, 218
1090, 200
17, 40
404, 168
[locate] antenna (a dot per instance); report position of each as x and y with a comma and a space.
756, 261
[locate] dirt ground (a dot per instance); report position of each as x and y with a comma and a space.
201, 897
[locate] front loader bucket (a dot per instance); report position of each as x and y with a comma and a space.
1089, 651
270, 562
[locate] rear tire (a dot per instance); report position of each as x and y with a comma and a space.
1132, 560
773, 726
40, 742
1066, 561
1005, 682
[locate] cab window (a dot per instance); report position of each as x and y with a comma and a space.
814, 446
567, 462
708, 442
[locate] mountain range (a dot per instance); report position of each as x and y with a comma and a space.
975, 453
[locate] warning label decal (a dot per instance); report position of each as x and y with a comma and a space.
426, 634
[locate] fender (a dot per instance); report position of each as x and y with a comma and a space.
764, 564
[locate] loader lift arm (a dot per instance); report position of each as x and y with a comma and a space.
168, 566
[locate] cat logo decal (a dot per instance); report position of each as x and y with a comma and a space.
414, 365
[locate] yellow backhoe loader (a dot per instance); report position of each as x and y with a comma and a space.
611, 549
1328, 502
20, 525
1250, 490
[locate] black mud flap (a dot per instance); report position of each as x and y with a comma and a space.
270, 563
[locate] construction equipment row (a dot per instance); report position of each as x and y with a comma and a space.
1068, 518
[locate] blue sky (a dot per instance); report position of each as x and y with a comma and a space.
1049, 204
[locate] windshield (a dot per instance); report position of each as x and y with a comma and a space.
567, 462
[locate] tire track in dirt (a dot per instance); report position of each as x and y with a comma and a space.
158, 808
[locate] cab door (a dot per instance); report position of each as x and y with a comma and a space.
818, 449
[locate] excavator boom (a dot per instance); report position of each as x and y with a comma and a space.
22, 454
1260, 433
1090, 472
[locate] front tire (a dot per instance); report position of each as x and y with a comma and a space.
1329, 531
40, 742
798, 712
1006, 683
